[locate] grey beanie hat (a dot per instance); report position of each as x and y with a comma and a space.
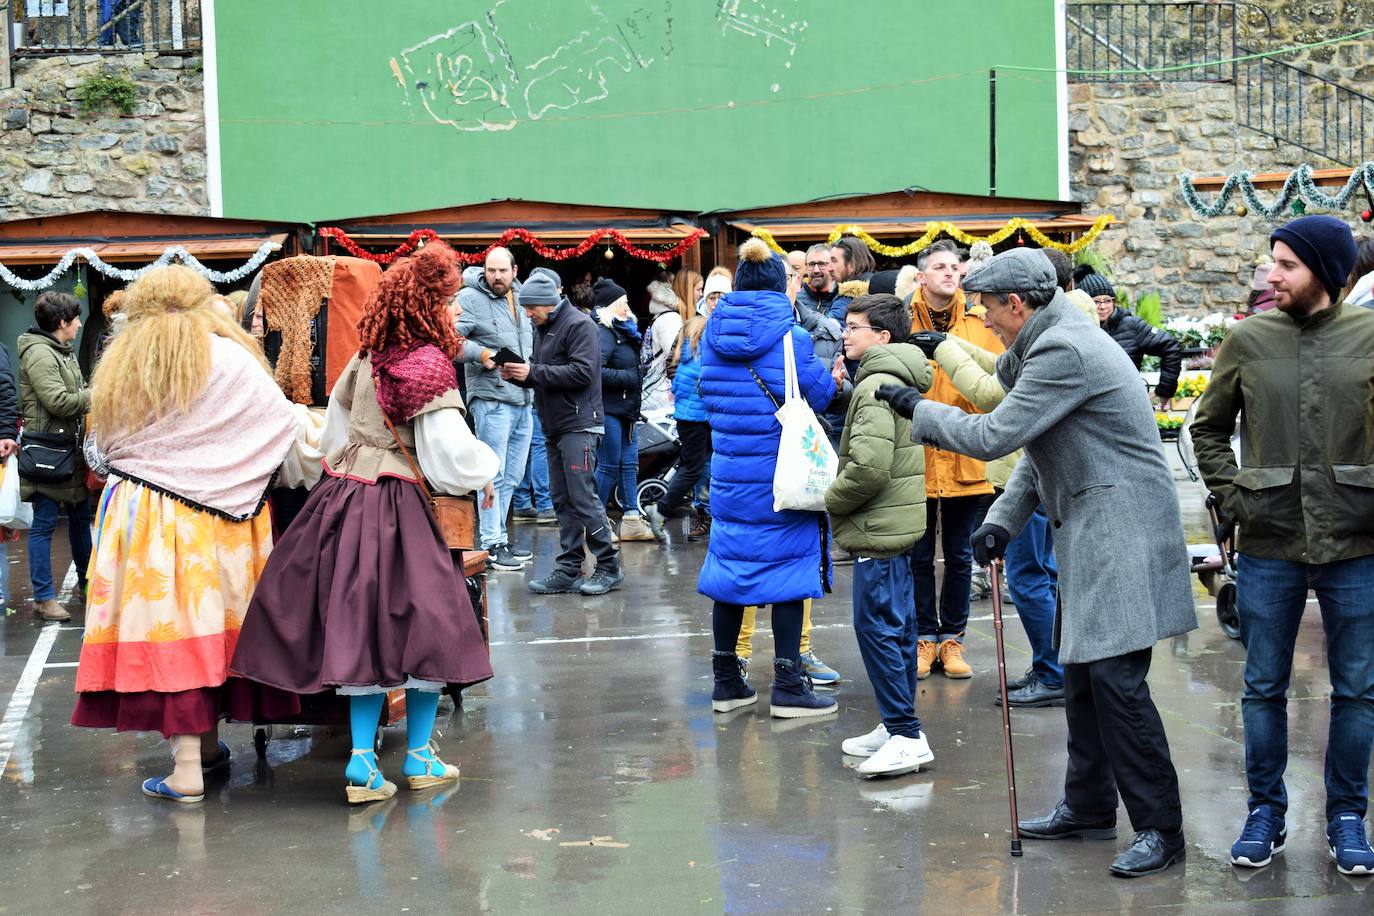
539, 289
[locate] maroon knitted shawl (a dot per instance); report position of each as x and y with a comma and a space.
407, 380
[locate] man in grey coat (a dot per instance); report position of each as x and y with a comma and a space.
500, 410
1094, 460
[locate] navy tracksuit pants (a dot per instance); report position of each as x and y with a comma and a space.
885, 625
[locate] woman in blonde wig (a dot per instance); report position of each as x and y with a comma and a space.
191, 429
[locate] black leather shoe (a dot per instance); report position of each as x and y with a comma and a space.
1061, 823
1150, 853
1032, 695
1020, 682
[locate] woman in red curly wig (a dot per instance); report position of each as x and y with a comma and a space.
361, 595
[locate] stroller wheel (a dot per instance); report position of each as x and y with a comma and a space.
1227, 615
652, 490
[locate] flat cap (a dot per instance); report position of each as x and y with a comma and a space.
1018, 270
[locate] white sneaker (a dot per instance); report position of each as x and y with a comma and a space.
898, 755
866, 745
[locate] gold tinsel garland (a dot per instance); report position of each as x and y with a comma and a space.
934, 230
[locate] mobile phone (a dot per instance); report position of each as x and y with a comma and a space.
507, 355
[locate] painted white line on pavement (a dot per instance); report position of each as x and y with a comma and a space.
23, 692
60, 665
556, 641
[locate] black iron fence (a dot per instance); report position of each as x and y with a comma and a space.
1124, 42
104, 26
1297, 107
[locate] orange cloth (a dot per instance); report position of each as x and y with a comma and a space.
949, 473
355, 279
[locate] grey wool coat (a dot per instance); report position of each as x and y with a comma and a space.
1095, 461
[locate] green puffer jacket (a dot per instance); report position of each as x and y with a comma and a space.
877, 504
53, 397
1304, 489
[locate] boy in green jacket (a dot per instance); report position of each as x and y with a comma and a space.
877, 509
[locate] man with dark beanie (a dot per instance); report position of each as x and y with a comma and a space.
565, 372
1135, 335
1302, 496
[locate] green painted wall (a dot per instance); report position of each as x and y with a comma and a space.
333, 108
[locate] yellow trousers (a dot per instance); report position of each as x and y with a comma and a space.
744, 645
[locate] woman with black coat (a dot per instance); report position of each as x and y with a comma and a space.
617, 458
1136, 336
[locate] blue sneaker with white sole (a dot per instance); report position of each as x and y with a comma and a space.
1349, 845
1265, 834
819, 672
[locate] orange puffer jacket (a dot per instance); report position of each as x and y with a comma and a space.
949, 473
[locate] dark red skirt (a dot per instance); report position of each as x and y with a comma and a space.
186, 712
361, 591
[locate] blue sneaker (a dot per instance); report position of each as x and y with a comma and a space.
819, 672
1265, 833
1349, 846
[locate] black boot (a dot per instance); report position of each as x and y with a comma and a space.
1150, 852
701, 525
793, 697
731, 691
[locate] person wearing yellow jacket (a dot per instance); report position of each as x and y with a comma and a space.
954, 482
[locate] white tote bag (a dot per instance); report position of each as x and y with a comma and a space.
806, 463
14, 512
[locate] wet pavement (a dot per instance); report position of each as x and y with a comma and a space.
596, 779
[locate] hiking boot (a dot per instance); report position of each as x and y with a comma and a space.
501, 557
547, 517
793, 697
51, 610
951, 654
701, 526
558, 582
925, 658
731, 691
602, 581
633, 528
655, 520
819, 671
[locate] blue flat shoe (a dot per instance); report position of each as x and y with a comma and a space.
221, 760
157, 788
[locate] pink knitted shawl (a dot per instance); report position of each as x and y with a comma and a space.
222, 454
407, 380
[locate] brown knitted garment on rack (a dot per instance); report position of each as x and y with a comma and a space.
293, 290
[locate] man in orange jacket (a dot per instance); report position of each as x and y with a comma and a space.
955, 484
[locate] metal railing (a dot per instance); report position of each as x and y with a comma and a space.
1298, 107
1150, 37
104, 26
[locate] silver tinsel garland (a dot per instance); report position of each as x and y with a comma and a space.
1298, 185
176, 252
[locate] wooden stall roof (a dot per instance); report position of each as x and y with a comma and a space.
135, 237
1274, 180
552, 222
911, 208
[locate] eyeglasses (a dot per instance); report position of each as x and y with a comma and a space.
858, 327
818, 263
1104, 300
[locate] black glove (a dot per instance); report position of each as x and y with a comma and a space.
927, 341
902, 399
989, 543
1166, 390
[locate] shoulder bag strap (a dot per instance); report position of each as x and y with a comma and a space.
405, 452
789, 364
763, 387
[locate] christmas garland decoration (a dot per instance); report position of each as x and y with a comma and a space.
1298, 191
934, 230
419, 236
176, 252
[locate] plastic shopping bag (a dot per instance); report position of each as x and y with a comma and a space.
806, 465
14, 512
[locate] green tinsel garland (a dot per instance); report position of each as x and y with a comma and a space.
1297, 186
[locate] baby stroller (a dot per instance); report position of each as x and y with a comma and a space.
1214, 563
659, 450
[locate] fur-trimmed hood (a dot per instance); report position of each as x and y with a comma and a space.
661, 298
854, 288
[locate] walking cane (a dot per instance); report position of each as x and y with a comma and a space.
995, 577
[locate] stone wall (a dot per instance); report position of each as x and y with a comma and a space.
56, 159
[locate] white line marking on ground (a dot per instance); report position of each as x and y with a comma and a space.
23, 692
60, 665
556, 641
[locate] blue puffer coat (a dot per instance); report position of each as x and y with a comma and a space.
756, 555
687, 403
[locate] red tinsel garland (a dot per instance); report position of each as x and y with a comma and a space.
510, 235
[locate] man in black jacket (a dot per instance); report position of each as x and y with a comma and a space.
565, 373
1135, 335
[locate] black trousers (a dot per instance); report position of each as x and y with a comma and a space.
1117, 744
695, 463
581, 516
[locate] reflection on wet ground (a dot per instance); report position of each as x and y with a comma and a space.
597, 780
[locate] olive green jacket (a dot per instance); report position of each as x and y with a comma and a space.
1304, 487
53, 396
877, 503
973, 371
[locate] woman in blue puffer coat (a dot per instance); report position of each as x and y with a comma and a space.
758, 556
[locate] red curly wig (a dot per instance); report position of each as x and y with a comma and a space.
408, 308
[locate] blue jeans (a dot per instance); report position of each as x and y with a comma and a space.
957, 516
533, 492
40, 542
4, 574
885, 626
617, 462
506, 428
1033, 582
1270, 598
